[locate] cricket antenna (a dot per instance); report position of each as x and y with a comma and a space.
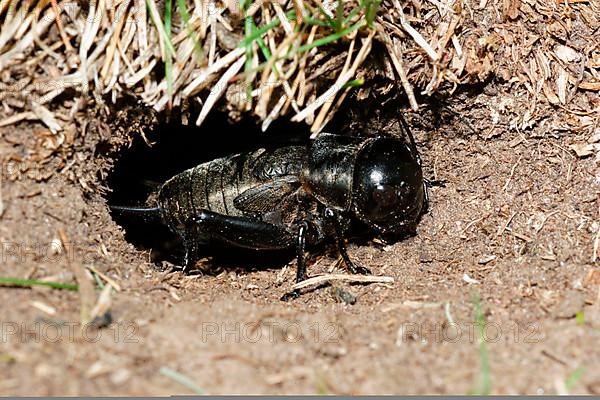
145, 214
407, 131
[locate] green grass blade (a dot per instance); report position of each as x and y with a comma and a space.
248, 63
354, 83
245, 4
160, 26
484, 383
574, 377
34, 282
258, 33
182, 379
339, 16
169, 60
331, 38
185, 16
264, 48
330, 21
352, 14
371, 9
260, 41
98, 280
313, 21
290, 15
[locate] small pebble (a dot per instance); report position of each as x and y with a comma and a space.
344, 296
486, 259
120, 376
469, 280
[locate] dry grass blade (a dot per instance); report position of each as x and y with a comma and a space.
2, 208
417, 37
205, 74
318, 123
87, 296
27, 115
46, 117
221, 87
318, 280
396, 58
43, 307
108, 279
103, 304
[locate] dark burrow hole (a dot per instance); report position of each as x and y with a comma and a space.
141, 169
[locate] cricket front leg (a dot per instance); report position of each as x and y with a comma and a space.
341, 245
300, 261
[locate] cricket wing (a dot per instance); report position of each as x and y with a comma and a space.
268, 196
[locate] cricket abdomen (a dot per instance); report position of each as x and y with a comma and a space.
214, 185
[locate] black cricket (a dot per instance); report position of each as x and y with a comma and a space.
295, 196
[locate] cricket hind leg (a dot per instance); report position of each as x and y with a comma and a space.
242, 232
246, 233
191, 243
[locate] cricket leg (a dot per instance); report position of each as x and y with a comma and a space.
242, 232
341, 245
301, 261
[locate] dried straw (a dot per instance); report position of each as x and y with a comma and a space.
284, 57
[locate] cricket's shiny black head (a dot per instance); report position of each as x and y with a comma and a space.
388, 191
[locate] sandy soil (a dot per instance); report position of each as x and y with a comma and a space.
515, 225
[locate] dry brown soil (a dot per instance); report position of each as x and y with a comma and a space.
515, 225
